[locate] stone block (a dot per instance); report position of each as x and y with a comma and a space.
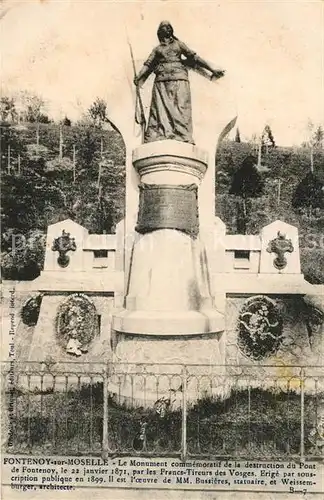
283, 239
44, 341
77, 258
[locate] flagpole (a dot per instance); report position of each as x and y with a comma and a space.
140, 120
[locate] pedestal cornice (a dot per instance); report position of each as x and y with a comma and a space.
170, 155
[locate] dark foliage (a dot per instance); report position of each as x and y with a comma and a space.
309, 193
67, 122
246, 184
268, 136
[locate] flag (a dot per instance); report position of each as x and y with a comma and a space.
226, 130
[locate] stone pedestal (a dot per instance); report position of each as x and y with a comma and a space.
168, 287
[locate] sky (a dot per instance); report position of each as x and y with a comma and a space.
70, 52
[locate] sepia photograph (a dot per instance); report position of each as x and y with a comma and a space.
162, 249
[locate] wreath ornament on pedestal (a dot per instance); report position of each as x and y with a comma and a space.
76, 324
30, 310
259, 328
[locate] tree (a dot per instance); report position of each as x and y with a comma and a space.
24, 198
267, 137
254, 143
99, 116
316, 145
98, 112
34, 115
12, 146
7, 109
246, 184
44, 118
87, 143
318, 138
31, 108
34, 108
237, 135
66, 122
309, 194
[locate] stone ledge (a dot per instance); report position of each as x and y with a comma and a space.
160, 323
93, 281
248, 283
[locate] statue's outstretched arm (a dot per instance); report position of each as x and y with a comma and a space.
204, 64
195, 60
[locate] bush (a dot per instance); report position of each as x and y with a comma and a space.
312, 263
23, 259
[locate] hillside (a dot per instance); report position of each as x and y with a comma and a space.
50, 172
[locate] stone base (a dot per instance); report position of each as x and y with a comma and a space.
163, 323
204, 349
147, 368
168, 290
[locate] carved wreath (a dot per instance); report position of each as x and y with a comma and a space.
76, 324
30, 310
259, 328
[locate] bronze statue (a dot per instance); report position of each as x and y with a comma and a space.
170, 112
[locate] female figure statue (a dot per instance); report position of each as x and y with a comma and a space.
170, 112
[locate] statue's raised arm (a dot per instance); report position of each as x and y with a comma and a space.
170, 111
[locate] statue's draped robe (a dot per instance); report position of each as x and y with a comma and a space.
170, 112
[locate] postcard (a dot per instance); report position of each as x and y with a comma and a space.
162, 304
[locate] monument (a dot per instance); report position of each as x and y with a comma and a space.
168, 293
169, 336
171, 289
